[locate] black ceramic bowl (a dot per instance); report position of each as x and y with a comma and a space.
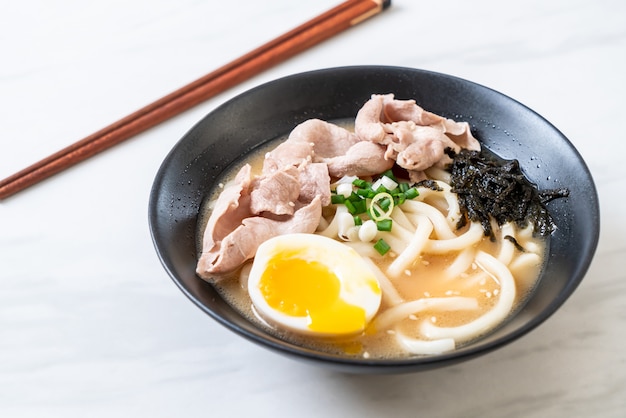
503, 125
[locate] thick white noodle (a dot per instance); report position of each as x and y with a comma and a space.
364, 249
437, 173
390, 294
523, 262
453, 209
399, 312
467, 239
332, 230
346, 230
413, 250
490, 319
402, 233
244, 275
439, 221
397, 245
461, 263
322, 225
425, 347
507, 248
399, 218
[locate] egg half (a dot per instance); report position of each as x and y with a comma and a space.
313, 285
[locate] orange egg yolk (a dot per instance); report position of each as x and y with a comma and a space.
300, 288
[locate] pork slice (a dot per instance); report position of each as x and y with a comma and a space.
230, 208
362, 159
276, 192
367, 124
243, 242
461, 134
328, 139
288, 154
314, 181
423, 147
395, 110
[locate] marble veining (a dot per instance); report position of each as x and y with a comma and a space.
90, 324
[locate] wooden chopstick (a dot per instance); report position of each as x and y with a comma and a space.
316, 30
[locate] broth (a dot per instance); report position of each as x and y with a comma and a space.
425, 279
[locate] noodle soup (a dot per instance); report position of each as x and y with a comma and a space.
442, 287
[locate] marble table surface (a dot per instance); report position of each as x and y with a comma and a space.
92, 326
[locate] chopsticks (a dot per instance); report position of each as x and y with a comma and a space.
310, 33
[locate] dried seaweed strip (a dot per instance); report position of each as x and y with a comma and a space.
429, 184
489, 189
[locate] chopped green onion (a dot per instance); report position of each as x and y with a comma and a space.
389, 173
412, 193
350, 207
384, 203
376, 199
373, 213
381, 189
384, 225
366, 193
377, 213
354, 197
389, 183
360, 206
344, 189
382, 247
362, 184
337, 198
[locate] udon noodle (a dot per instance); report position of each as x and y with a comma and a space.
442, 287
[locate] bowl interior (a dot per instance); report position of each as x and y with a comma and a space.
503, 125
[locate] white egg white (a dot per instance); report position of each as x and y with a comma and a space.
354, 276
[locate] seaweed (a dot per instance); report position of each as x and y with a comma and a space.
489, 189
429, 184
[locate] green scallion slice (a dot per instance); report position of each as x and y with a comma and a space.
384, 225
362, 184
382, 247
337, 198
412, 193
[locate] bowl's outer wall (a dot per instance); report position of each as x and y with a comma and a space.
503, 125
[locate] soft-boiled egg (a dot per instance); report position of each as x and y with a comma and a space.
313, 285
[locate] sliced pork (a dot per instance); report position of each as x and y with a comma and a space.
362, 159
241, 244
328, 140
230, 208
276, 192
314, 182
294, 184
414, 137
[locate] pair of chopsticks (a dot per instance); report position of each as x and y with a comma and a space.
316, 30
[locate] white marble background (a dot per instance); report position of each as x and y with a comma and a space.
91, 325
